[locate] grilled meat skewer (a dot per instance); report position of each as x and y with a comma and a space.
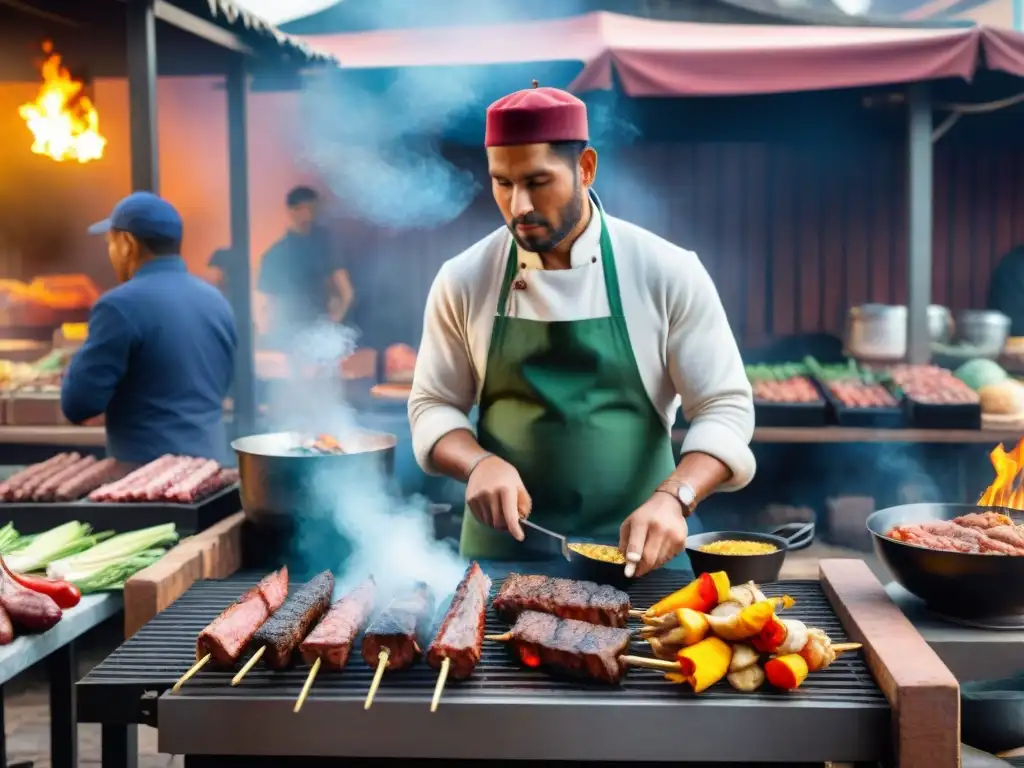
564, 598
332, 639
574, 647
459, 640
399, 628
392, 640
282, 632
227, 636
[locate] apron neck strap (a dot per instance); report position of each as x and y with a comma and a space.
611, 276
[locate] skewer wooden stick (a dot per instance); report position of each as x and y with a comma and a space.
248, 665
504, 638
644, 663
844, 647
309, 684
191, 672
439, 688
637, 613
382, 664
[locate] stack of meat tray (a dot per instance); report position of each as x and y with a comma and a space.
192, 493
501, 710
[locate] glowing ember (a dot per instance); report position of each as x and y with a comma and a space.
529, 656
62, 118
1007, 490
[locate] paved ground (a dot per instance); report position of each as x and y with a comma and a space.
27, 703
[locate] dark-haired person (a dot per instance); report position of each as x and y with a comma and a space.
303, 277
159, 357
577, 334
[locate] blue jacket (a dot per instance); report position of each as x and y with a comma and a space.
158, 362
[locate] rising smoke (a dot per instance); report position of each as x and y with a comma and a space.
387, 535
378, 147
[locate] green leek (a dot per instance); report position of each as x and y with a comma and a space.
113, 551
112, 576
9, 538
62, 541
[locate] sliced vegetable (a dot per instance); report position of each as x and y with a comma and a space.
745, 624
113, 576
704, 664
701, 594
771, 636
692, 627
786, 672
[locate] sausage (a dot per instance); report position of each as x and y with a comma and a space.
27, 488
87, 481
46, 489
18, 479
185, 490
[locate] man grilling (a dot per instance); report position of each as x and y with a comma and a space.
159, 357
577, 334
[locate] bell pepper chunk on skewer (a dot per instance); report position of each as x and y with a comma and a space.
743, 625
702, 594
786, 672
704, 664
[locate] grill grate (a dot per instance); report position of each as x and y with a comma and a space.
159, 653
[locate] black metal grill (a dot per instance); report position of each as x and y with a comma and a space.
165, 648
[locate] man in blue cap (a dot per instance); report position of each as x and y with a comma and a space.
159, 358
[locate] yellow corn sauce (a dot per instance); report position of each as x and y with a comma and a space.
729, 547
604, 553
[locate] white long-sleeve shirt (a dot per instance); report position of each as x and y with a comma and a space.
684, 348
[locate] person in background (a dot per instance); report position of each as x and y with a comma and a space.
1006, 289
577, 334
159, 357
303, 278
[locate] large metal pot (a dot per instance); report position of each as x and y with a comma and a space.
983, 328
877, 332
290, 498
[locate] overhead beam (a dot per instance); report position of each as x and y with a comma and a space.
141, 59
207, 30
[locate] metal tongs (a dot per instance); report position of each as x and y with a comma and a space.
563, 544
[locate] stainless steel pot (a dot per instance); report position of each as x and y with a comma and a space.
292, 500
277, 481
877, 332
940, 324
983, 328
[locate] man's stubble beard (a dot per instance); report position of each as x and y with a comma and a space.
571, 214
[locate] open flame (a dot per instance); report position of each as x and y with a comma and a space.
529, 655
1007, 490
62, 118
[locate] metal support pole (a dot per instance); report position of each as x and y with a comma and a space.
238, 175
120, 746
142, 94
63, 709
919, 222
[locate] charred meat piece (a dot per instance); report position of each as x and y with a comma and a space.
15, 481
228, 635
574, 647
951, 537
399, 629
565, 598
290, 624
461, 634
334, 636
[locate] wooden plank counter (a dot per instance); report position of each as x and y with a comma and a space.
212, 554
56, 435
820, 435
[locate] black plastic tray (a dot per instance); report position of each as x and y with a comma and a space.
894, 417
790, 414
929, 416
35, 517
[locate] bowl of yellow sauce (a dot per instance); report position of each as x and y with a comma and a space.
747, 556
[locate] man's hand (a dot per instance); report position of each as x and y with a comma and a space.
497, 497
653, 534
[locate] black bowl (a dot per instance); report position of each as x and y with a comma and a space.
957, 584
992, 714
589, 569
743, 568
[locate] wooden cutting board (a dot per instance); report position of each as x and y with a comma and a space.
212, 554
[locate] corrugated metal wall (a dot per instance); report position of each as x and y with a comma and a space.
792, 235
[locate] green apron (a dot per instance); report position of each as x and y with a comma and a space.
564, 403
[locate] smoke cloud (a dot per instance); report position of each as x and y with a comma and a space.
387, 535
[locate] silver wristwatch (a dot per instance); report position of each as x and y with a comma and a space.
682, 492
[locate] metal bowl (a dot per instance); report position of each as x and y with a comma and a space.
744, 568
983, 328
957, 584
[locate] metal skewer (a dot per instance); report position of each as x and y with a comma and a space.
191, 672
439, 688
248, 665
382, 664
309, 684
